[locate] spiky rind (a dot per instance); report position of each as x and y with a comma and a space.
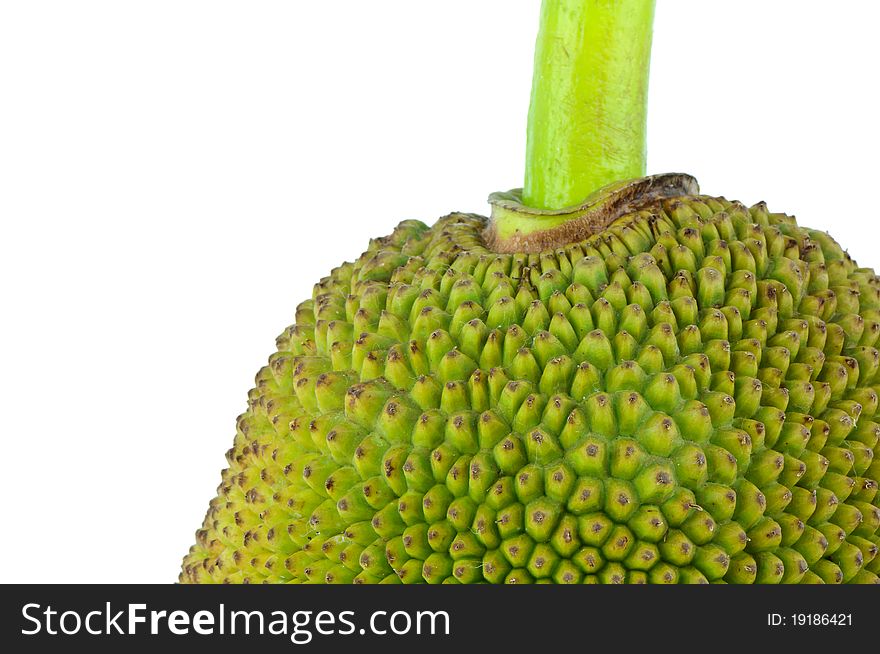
688, 396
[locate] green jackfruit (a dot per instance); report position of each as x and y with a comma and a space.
688, 395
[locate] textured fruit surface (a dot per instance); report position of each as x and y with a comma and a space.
687, 397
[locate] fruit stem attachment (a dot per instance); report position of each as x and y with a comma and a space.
588, 114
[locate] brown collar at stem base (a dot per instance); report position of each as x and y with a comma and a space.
515, 227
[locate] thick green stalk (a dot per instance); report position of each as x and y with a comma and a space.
588, 112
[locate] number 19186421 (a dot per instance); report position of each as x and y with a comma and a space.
810, 620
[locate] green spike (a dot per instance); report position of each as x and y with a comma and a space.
510, 520
719, 500
690, 340
849, 559
502, 493
588, 560
458, 476
679, 506
436, 502
566, 572
694, 419
510, 454
840, 459
426, 393
517, 550
691, 465
662, 392
755, 430
436, 568
590, 272
641, 558
461, 513
593, 529
536, 317
732, 537
586, 381
559, 481
662, 336
612, 573
596, 349
777, 496
415, 541
863, 457
765, 466
712, 561
737, 442
440, 536
396, 553
622, 498
503, 313
840, 485
454, 397
428, 431
826, 506
691, 575
495, 567
587, 496
557, 412
541, 517
864, 490
602, 415
870, 523
663, 313
770, 568
542, 448
721, 406
650, 358
483, 473
723, 381
626, 458
557, 375
750, 503
793, 567
466, 545
812, 545
803, 503
590, 457
764, 536
626, 376
677, 549
828, 572
542, 562
699, 527
573, 429
529, 483
655, 483
687, 381
461, 432
490, 354
648, 524
625, 346
581, 320
747, 394
490, 429
663, 573
619, 543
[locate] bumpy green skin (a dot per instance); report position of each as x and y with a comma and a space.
688, 396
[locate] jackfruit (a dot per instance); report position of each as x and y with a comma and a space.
675, 388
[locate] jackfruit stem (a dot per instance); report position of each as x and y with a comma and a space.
588, 114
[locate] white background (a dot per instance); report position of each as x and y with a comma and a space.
174, 176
